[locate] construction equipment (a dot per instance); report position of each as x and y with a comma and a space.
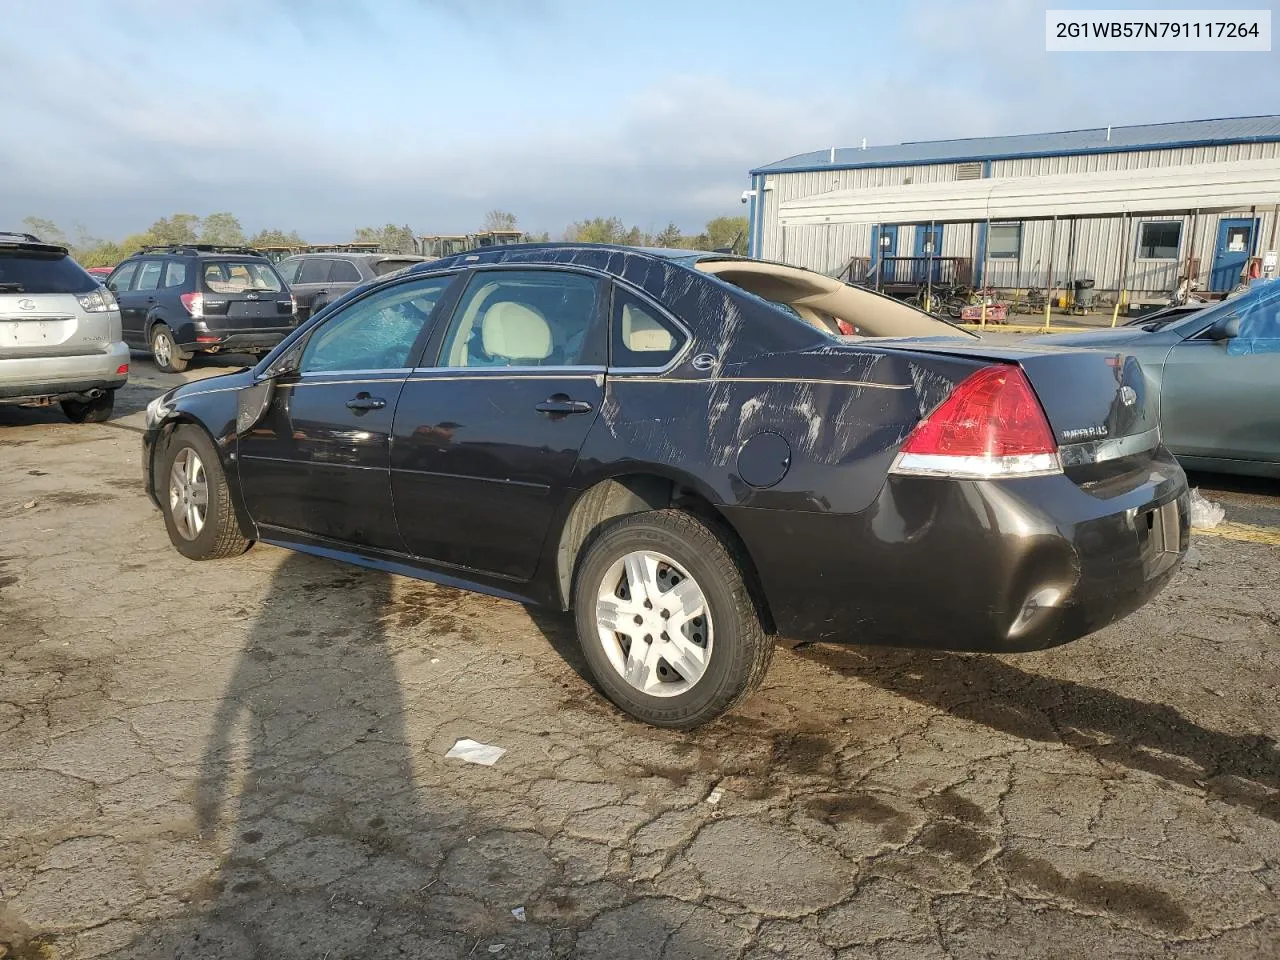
446, 245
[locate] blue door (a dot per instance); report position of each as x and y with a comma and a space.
1235, 246
884, 243
928, 244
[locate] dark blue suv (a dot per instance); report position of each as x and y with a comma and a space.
177, 301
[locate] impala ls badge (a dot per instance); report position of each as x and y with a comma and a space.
1128, 395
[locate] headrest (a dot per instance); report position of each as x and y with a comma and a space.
642, 333
515, 332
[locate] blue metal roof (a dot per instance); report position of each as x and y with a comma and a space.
1184, 133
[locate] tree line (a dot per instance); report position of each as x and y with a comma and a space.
224, 229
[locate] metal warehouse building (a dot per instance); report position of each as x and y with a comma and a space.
1132, 208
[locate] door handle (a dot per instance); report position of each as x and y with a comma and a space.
362, 401
562, 405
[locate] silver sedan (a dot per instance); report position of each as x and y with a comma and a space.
1216, 374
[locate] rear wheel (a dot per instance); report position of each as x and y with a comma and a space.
196, 500
90, 411
666, 622
165, 352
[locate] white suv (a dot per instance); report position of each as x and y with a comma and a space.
59, 332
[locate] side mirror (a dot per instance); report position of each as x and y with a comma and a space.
1225, 328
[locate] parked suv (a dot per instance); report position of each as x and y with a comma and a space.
317, 279
59, 332
197, 298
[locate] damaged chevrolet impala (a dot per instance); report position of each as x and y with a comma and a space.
692, 454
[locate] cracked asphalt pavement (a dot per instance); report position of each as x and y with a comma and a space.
245, 759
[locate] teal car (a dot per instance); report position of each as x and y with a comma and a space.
1215, 373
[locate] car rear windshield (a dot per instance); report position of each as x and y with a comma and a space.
23, 271
383, 267
239, 276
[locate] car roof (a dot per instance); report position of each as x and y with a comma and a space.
563, 252
28, 242
353, 255
197, 250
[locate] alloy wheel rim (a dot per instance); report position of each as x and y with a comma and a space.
188, 494
160, 346
654, 624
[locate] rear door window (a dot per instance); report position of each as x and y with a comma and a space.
175, 273
343, 271
149, 275
314, 271
383, 267
239, 276
23, 271
526, 318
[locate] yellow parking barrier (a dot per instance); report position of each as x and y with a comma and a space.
1244, 532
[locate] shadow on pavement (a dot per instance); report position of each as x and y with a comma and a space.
1152, 737
333, 846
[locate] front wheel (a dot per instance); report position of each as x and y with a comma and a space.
195, 498
165, 352
666, 622
90, 411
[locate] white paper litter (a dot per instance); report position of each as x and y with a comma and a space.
473, 751
518, 913
714, 796
497, 947
1205, 514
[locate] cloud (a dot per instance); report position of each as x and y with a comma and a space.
114, 143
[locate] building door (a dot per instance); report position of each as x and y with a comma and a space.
928, 244
1235, 246
884, 243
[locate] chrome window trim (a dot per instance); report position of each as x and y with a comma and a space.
584, 372
368, 371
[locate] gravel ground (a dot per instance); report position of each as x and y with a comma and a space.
246, 759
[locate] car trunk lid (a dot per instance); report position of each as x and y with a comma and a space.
1096, 401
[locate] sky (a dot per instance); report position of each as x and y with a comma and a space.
325, 115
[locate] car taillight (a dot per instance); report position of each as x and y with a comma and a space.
101, 300
991, 426
194, 302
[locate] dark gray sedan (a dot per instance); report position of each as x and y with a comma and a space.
1216, 375
317, 279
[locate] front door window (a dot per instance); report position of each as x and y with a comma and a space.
376, 333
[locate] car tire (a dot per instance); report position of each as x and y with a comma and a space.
729, 651
165, 352
90, 411
210, 531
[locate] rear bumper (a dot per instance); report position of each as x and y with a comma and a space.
191, 338
43, 378
994, 566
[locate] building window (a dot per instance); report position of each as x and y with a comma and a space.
1159, 240
1004, 241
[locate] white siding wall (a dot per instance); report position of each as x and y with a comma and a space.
1101, 244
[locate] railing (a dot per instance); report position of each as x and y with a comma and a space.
902, 274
